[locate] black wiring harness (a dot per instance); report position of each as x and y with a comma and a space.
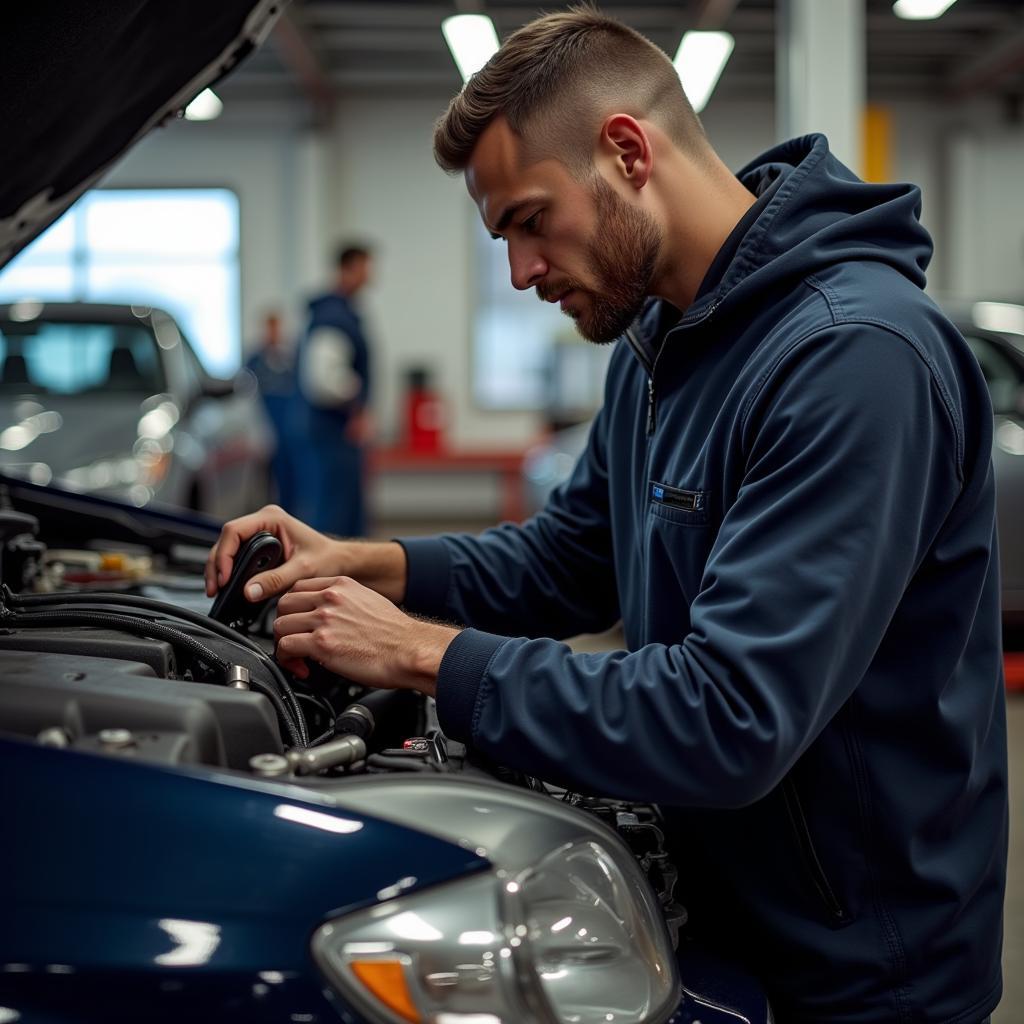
81, 609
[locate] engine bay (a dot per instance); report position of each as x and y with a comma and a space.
108, 646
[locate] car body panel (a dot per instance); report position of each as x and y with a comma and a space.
194, 879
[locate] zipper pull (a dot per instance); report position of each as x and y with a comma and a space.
650, 406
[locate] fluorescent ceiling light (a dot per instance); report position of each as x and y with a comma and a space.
919, 10
205, 107
472, 40
1006, 317
699, 62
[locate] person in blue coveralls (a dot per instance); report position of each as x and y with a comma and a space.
334, 385
273, 368
787, 498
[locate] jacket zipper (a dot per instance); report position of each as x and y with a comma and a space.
634, 344
803, 836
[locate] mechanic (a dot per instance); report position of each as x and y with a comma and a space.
333, 413
787, 498
272, 367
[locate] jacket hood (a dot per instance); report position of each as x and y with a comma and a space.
821, 214
83, 82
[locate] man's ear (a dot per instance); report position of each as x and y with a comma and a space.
624, 139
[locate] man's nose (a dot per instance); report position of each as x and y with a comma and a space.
528, 268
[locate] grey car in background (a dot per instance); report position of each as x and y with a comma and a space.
1001, 356
112, 400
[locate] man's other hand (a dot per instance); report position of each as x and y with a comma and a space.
355, 632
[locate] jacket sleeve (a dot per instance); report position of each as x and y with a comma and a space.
551, 576
852, 458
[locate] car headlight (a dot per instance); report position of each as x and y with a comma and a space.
578, 938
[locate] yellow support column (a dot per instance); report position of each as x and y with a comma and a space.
877, 145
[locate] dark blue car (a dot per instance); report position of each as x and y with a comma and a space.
190, 836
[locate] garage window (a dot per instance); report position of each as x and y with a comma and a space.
526, 353
172, 248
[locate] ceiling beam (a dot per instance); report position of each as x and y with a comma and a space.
990, 69
299, 54
711, 15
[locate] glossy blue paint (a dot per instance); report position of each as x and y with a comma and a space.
124, 883
138, 892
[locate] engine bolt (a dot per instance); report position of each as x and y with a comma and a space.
116, 739
55, 736
270, 766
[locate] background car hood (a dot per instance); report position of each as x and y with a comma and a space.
84, 430
84, 82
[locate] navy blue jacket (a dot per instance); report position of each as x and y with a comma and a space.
788, 499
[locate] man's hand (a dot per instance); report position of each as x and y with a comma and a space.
357, 633
306, 553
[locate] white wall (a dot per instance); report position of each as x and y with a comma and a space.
387, 188
985, 208
263, 158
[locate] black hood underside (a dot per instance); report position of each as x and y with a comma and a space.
82, 82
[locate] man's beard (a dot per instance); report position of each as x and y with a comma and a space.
622, 257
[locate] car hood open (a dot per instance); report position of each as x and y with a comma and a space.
84, 82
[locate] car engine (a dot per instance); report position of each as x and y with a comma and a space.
106, 646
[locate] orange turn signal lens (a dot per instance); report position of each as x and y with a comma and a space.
385, 980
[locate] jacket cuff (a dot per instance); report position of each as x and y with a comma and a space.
427, 571
459, 679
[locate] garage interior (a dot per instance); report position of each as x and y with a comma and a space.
322, 137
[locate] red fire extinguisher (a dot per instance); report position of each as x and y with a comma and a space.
424, 414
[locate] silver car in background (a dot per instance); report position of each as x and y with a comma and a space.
112, 400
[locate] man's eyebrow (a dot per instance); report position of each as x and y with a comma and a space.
509, 212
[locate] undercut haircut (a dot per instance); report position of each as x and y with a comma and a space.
555, 80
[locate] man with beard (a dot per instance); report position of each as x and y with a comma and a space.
786, 498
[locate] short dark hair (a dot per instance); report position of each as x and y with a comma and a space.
555, 79
350, 252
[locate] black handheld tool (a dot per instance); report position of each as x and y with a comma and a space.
260, 552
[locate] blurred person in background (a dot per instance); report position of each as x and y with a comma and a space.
273, 366
334, 388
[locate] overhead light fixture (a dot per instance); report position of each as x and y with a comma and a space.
205, 107
699, 62
472, 40
920, 10
1006, 317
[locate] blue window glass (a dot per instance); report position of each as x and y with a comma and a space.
78, 358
